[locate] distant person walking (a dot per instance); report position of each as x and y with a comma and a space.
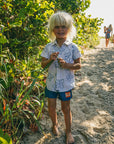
107, 32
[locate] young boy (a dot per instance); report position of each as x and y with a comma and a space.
64, 57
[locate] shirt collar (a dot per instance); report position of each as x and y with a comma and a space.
67, 42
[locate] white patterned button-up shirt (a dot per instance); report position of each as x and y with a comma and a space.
59, 79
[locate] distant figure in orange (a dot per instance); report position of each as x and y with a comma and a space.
107, 32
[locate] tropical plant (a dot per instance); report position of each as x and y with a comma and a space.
23, 25
71, 6
87, 30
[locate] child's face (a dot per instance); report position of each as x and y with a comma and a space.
60, 32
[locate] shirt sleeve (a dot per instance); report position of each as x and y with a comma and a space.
76, 52
45, 52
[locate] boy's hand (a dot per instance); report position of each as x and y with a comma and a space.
62, 63
72, 66
53, 56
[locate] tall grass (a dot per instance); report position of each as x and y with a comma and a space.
21, 95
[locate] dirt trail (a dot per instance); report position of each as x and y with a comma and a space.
92, 104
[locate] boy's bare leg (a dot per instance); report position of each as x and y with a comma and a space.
68, 120
53, 114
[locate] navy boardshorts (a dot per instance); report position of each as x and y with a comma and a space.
63, 96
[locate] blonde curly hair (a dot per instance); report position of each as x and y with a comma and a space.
61, 18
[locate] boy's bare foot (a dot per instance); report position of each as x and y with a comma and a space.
55, 130
69, 139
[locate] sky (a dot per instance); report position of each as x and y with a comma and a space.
102, 9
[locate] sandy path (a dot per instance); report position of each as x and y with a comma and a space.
92, 104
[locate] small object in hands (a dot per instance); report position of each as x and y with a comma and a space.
58, 61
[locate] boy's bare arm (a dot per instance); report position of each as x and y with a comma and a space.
45, 61
73, 66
